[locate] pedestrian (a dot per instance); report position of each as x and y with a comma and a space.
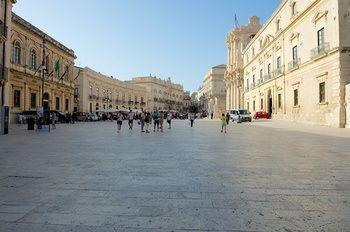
53, 120
227, 118
142, 120
161, 120
212, 115
148, 121
169, 117
119, 121
131, 117
156, 117
74, 117
223, 122
191, 118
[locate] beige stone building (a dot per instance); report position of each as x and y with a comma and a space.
98, 92
163, 94
212, 93
236, 41
298, 65
24, 87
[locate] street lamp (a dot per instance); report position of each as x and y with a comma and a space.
43, 70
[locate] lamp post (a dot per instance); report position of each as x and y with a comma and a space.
43, 70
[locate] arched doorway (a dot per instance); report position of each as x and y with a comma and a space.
46, 98
269, 106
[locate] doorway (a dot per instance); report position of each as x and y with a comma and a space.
269, 105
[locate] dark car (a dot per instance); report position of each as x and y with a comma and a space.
82, 117
261, 114
28, 114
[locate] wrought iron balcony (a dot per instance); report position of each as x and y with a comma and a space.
320, 50
294, 64
267, 77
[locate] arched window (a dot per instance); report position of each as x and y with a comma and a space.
294, 8
33, 59
17, 53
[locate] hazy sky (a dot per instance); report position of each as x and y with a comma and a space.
127, 38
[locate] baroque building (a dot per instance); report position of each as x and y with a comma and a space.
25, 89
297, 67
212, 93
163, 94
98, 92
236, 41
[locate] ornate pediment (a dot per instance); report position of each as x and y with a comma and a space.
294, 35
319, 15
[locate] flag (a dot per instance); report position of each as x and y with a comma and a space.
57, 68
65, 72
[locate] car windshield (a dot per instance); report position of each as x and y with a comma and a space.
243, 112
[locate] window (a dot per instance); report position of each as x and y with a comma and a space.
295, 53
322, 92
253, 79
261, 73
141, 99
17, 53
261, 104
296, 97
261, 43
278, 25
16, 98
279, 101
294, 8
57, 69
253, 52
90, 108
254, 105
278, 62
67, 104
32, 100
269, 69
247, 83
90, 90
248, 106
33, 59
320, 37
57, 103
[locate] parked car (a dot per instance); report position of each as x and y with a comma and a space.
240, 116
93, 117
60, 116
28, 114
261, 114
82, 117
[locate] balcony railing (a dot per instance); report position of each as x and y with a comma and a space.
260, 81
294, 64
320, 50
278, 71
267, 77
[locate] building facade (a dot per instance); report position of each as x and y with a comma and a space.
236, 41
212, 94
163, 94
298, 65
25, 89
98, 92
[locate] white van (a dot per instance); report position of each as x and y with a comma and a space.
240, 116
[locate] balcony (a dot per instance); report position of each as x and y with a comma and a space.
278, 71
252, 86
260, 80
320, 50
267, 77
294, 64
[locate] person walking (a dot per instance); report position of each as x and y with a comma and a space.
212, 115
53, 120
161, 120
119, 121
131, 117
191, 118
142, 121
227, 118
156, 117
148, 121
223, 122
169, 117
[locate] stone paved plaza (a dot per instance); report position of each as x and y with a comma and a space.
86, 177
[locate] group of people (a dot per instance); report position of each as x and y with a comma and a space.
146, 119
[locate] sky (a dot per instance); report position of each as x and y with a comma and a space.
181, 39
